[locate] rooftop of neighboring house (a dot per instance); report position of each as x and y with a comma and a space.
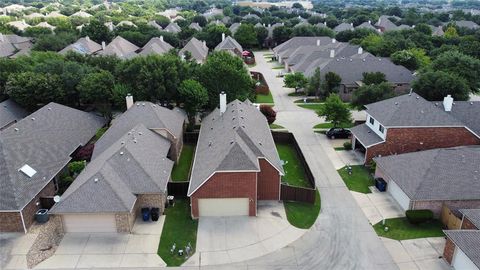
46, 25
81, 14
234, 27
473, 215
366, 25
437, 174
197, 49
251, 16
156, 25
467, 24
343, 27
10, 112
120, 47
152, 116
173, 28
84, 46
126, 23
36, 148
229, 44
20, 25
134, 164
385, 23
156, 45
195, 26
468, 241
292, 44
232, 141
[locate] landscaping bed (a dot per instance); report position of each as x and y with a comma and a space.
181, 169
179, 228
359, 180
303, 215
401, 229
294, 171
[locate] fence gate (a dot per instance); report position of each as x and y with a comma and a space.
449, 219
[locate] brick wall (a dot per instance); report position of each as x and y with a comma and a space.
436, 206
448, 251
228, 185
468, 225
268, 181
10, 222
125, 221
405, 140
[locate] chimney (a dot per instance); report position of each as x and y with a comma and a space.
103, 45
448, 103
332, 53
161, 38
334, 40
360, 50
223, 102
325, 23
204, 44
318, 42
87, 38
2, 39
269, 25
351, 24
223, 36
369, 22
129, 100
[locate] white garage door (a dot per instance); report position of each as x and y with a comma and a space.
89, 223
461, 261
223, 207
398, 195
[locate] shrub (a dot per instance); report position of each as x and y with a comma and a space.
347, 145
419, 216
75, 167
64, 183
84, 153
100, 132
269, 113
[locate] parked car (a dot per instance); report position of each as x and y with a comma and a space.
338, 133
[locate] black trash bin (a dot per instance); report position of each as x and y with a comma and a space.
145, 214
155, 213
41, 216
380, 184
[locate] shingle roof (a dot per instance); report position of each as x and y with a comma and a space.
385, 23
7, 49
20, 25
343, 27
296, 42
410, 110
438, 174
44, 141
156, 25
156, 46
150, 115
234, 27
81, 14
467, 112
468, 241
173, 28
197, 48
195, 26
120, 47
232, 141
365, 135
366, 25
84, 46
467, 24
10, 112
473, 215
229, 44
135, 164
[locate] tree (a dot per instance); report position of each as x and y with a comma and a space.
262, 34
423, 28
412, 58
367, 94
269, 113
246, 35
224, 72
194, 97
451, 32
97, 31
97, 89
462, 65
295, 80
315, 84
336, 111
331, 83
201, 20
212, 34
373, 78
282, 34
435, 85
53, 42
297, 5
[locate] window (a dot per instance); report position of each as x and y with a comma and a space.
381, 128
372, 121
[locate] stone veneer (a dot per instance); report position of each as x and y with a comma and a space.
125, 221
49, 237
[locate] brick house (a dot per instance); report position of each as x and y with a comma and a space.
109, 193
462, 249
236, 162
33, 153
429, 179
229, 44
409, 123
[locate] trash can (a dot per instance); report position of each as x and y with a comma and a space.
41, 216
145, 214
155, 213
380, 184
170, 200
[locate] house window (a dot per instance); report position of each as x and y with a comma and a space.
372, 121
381, 128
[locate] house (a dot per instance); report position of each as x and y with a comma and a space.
84, 46
34, 152
195, 26
55, 14
119, 47
385, 24
343, 27
109, 193
437, 31
234, 27
366, 25
155, 45
462, 250
12, 45
197, 49
126, 24
467, 24
235, 164
429, 179
229, 44
156, 25
10, 113
173, 28
251, 17
470, 219
212, 13
166, 123
20, 25
46, 25
34, 15
282, 51
81, 14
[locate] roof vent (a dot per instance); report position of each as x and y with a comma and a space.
121, 153
436, 104
143, 104
129, 133
210, 143
134, 141
140, 133
418, 97
27, 170
396, 103
211, 128
260, 143
122, 142
471, 103
49, 109
138, 104
16, 129
231, 142
33, 118
95, 180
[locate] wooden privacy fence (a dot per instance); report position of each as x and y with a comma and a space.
291, 193
450, 219
178, 189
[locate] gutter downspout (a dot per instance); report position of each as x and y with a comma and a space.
23, 222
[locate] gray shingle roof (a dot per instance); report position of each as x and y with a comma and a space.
234, 27
84, 46
296, 42
11, 44
232, 141
195, 26
197, 49
410, 110
467, 112
135, 164
343, 27
468, 241
229, 44
365, 135
150, 115
438, 174
366, 25
156, 45
173, 28
10, 112
473, 215
45, 144
156, 25
467, 24
385, 23
120, 47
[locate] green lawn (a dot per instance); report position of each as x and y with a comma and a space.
182, 168
330, 125
278, 67
302, 215
359, 180
310, 100
275, 126
401, 229
294, 172
341, 148
179, 228
260, 98
314, 107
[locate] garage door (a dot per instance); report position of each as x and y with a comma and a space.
399, 195
461, 261
89, 223
223, 207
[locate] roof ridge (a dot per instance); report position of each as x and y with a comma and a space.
426, 172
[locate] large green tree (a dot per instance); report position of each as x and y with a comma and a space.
194, 97
212, 34
97, 31
435, 85
373, 78
295, 80
462, 65
331, 83
336, 111
246, 35
367, 94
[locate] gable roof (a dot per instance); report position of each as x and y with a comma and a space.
385, 23
10, 112
195, 26
135, 164
468, 241
466, 112
81, 14
44, 141
366, 25
473, 215
343, 27
84, 46
233, 141
437, 174
467, 24
150, 115
295, 42
173, 28
120, 47
155, 24
156, 45
20, 25
229, 44
197, 49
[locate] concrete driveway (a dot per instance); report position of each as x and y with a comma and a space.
14, 248
378, 205
109, 250
222, 240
